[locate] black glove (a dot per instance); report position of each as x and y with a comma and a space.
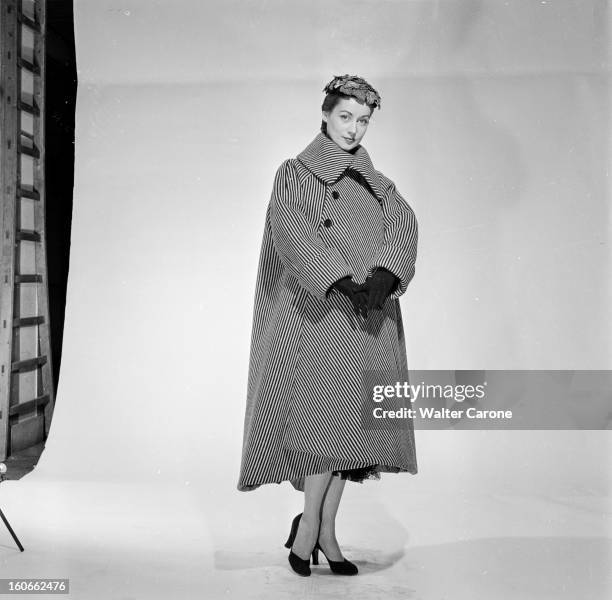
352, 291
378, 287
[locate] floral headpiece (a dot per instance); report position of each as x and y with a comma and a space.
351, 85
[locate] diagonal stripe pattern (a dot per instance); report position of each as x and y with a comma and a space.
331, 214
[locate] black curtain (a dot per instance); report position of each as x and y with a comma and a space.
60, 102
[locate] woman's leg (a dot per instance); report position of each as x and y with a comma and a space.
314, 491
329, 509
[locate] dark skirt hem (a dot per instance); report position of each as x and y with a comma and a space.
359, 475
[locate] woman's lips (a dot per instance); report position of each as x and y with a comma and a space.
349, 140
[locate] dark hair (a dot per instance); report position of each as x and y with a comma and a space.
330, 101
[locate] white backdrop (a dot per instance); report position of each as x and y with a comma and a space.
495, 126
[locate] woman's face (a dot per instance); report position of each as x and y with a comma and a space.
347, 122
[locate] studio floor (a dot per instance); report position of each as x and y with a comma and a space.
128, 541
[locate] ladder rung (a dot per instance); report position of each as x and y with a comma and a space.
28, 278
30, 66
28, 234
33, 25
27, 135
26, 191
28, 405
30, 151
28, 321
29, 108
28, 364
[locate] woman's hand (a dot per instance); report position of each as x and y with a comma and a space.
377, 288
355, 294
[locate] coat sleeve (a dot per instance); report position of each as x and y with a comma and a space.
399, 250
301, 250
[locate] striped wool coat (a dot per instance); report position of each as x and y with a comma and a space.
331, 214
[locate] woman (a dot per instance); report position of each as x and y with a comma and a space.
339, 249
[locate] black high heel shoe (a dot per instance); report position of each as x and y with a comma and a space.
299, 565
339, 567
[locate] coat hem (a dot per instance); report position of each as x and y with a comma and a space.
297, 481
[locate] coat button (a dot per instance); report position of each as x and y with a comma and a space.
335, 195
327, 223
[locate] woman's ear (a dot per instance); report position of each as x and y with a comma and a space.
324, 115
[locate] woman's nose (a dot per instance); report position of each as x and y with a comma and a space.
352, 128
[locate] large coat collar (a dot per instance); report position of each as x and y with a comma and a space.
327, 161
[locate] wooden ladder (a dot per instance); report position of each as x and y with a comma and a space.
26, 382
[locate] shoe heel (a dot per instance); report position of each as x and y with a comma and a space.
339, 567
294, 527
